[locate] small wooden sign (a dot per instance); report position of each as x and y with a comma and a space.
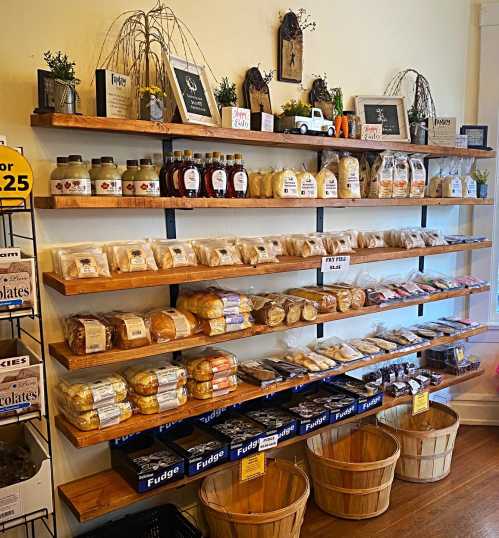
252, 466
113, 94
372, 132
442, 132
420, 402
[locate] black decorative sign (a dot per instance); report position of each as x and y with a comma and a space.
192, 92
387, 115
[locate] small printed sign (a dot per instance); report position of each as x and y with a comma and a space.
442, 132
16, 177
372, 132
266, 443
252, 466
335, 264
420, 403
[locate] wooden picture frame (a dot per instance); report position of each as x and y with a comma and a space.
45, 83
195, 100
477, 135
390, 111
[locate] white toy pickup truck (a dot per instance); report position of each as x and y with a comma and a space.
313, 124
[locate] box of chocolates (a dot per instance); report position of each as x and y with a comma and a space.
276, 421
339, 404
310, 414
368, 395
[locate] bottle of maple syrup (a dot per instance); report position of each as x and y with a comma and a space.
238, 178
229, 162
163, 174
173, 174
216, 177
189, 179
208, 161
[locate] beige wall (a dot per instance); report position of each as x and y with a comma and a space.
360, 44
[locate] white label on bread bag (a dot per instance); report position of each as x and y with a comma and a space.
109, 415
134, 325
167, 400
289, 186
167, 377
95, 336
182, 327
103, 392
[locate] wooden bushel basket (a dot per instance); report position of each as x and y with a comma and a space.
426, 440
352, 470
271, 506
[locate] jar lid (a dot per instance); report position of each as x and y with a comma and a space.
177, 153
145, 162
132, 162
74, 158
62, 160
96, 161
187, 153
107, 160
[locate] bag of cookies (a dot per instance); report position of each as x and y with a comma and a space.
154, 376
87, 333
80, 261
306, 246
371, 240
337, 243
131, 256
130, 330
209, 364
278, 244
171, 253
214, 303
157, 403
400, 176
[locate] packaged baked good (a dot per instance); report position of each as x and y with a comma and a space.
417, 179
364, 176
288, 370
171, 253
381, 343
255, 184
348, 178
87, 392
313, 362
325, 299
435, 183
400, 176
365, 346
285, 184
266, 311
131, 256
214, 303
381, 184
226, 324
210, 364
97, 419
256, 250
157, 403
220, 386
217, 252
80, 261
306, 246
331, 161
168, 323
307, 184
266, 184
87, 333
405, 238
154, 376
433, 238
338, 350
327, 183
357, 295
353, 236
130, 330
278, 245
292, 306
343, 297
337, 243
371, 240
258, 373
468, 182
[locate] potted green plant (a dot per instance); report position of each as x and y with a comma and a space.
481, 177
233, 117
151, 103
65, 81
296, 108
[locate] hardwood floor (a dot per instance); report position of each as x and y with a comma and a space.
463, 505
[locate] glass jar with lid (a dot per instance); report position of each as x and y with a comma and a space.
354, 125
147, 179
108, 179
58, 175
77, 181
128, 177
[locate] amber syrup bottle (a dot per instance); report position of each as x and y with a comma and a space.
163, 175
238, 179
217, 177
173, 174
208, 161
189, 177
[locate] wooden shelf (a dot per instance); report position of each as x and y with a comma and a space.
137, 202
124, 281
61, 352
237, 136
244, 393
102, 493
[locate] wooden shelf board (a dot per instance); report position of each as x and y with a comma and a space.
244, 393
123, 281
102, 493
238, 136
63, 354
137, 202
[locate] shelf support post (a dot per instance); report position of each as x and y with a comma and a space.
424, 218
319, 227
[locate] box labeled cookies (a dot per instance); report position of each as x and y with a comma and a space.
17, 287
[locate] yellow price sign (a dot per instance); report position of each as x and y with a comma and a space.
16, 177
420, 403
252, 466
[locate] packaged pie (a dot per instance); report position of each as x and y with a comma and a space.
256, 250
84, 393
325, 299
130, 330
219, 386
155, 376
168, 323
381, 184
157, 403
131, 256
80, 261
214, 303
267, 311
210, 364
171, 253
217, 252
292, 306
306, 246
97, 419
226, 324
87, 333
349, 177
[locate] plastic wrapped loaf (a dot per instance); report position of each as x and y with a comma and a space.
87, 333
217, 252
171, 323
267, 311
80, 261
349, 177
292, 306
131, 256
306, 246
357, 295
343, 297
210, 364
157, 403
417, 176
327, 184
256, 250
285, 184
220, 386
226, 324
172, 253
381, 184
97, 419
313, 362
326, 300
130, 330
255, 185
407, 238
153, 377
364, 176
307, 185
337, 243
214, 303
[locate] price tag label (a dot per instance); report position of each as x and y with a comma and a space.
16, 177
420, 403
266, 443
335, 264
252, 466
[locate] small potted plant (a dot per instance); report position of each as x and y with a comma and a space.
481, 177
233, 117
65, 81
151, 103
340, 121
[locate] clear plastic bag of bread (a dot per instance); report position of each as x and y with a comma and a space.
89, 391
80, 261
217, 252
226, 324
154, 376
322, 297
337, 349
357, 294
433, 238
266, 311
285, 184
213, 302
451, 184
435, 183
337, 243
353, 236
292, 306
326, 178
255, 184
407, 238
306, 246
130, 330
303, 356
373, 239
202, 390
468, 182
100, 418
87, 333
381, 184
307, 184
266, 188
169, 323
417, 175
348, 177
331, 161
256, 250
278, 244
209, 363
400, 175
343, 296
364, 175
131, 256
157, 403
170, 253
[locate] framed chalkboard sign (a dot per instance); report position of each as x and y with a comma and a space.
194, 97
390, 112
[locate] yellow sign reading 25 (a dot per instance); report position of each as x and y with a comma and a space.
16, 177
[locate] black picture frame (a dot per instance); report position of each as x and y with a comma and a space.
474, 136
46, 103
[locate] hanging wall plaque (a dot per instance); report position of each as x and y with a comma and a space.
290, 49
